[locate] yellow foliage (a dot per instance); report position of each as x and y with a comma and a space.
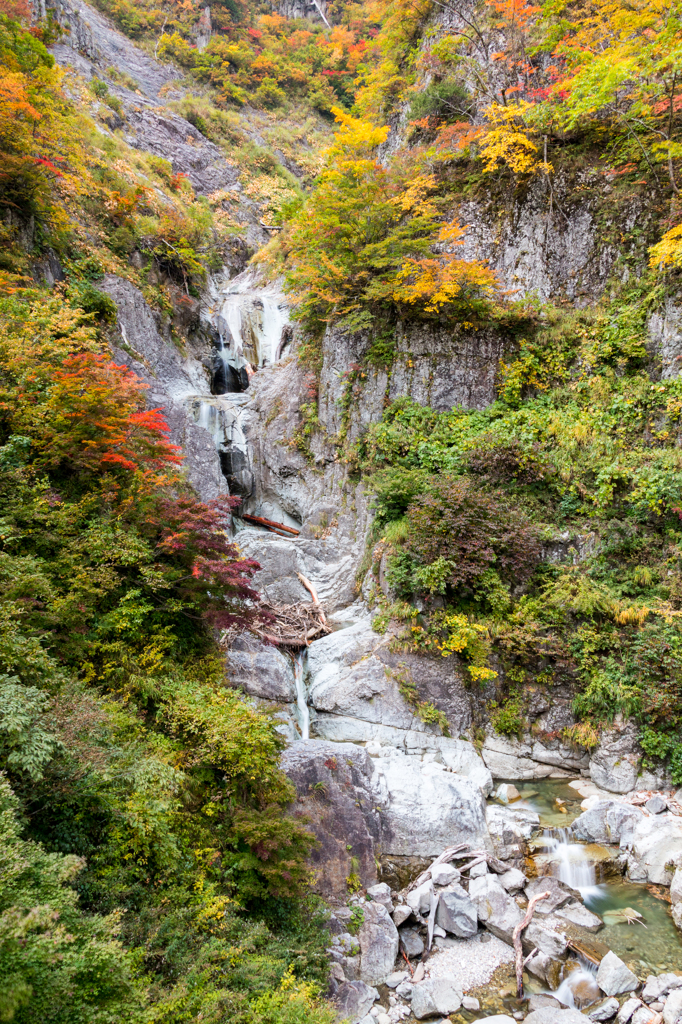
667, 252
436, 281
508, 140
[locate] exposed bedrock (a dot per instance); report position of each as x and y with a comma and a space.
362, 808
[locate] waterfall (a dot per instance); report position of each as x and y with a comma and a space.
579, 988
301, 697
570, 862
321, 13
254, 320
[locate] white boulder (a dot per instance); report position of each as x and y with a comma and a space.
435, 996
672, 1011
614, 977
425, 808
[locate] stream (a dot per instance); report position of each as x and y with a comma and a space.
652, 944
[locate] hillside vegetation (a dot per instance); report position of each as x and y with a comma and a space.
149, 871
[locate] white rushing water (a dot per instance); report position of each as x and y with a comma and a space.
301, 697
579, 988
250, 319
570, 862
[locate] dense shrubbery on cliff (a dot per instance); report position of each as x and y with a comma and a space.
148, 869
585, 435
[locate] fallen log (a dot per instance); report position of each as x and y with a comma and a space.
313, 593
269, 524
516, 939
443, 858
479, 857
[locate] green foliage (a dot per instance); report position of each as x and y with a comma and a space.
508, 719
57, 964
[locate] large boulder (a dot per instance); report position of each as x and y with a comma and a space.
354, 1000
614, 977
334, 793
378, 938
608, 821
672, 1011
614, 765
457, 913
261, 671
656, 849
425, 808
435, 996
495, 907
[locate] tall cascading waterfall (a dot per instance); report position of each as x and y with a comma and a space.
250, 320
301, 696
220, 416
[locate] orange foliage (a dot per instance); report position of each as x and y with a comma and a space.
97, 419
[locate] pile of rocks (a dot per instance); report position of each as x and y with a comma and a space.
445, 905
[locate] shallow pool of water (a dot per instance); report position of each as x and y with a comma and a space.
649, 947
553, 799
653, 946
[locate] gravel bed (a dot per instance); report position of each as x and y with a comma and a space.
470, 962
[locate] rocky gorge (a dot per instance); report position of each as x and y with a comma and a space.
485, 847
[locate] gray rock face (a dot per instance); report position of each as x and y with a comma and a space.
378, 938
457, 913
424, 808
614, 764
261, 671
510, 758
614, 977
355, 999
432, 366
333, 785
355, 679
496, 909
171, 379
437, 996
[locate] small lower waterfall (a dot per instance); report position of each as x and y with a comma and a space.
579, 988
301, 696
570, 862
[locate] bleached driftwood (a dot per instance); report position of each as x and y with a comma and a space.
517, 938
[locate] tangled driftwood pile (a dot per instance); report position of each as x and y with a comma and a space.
292, 625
